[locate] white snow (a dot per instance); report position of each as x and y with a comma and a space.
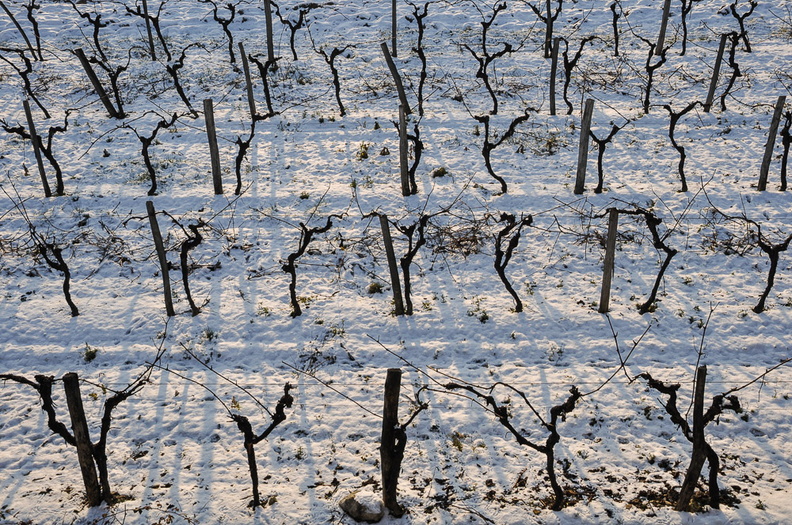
174, 453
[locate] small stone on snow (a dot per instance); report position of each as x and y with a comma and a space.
363, 505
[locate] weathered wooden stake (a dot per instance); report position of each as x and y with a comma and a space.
553, 74
771, 140
248, 82
214, 152
715, 73
610, 256
699, 455
163, 260
404, 171
390, 464
394, 29
548, 32
35, 139
152, 52
398, 302
663, 28
100, 90
93, 492
270, 39
396, 77
585, 127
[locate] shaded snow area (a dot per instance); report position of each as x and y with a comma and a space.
287, 282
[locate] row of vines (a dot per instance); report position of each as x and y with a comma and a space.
509, 405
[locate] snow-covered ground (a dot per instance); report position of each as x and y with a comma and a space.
174, 454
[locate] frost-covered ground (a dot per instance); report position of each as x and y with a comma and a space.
174, 453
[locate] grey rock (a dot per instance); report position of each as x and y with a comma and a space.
363, 505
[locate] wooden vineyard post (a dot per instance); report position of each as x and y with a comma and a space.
34, 138
398, 302
394, 29
548, 32
699, 455
214, 152
403, 147
553, 74
585, 127
71, 385
100, 90
270, 39
663, 28
389, 459
771, 139
152, 52
610, 256
396, 77
248, 82
163, 260
715, 73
